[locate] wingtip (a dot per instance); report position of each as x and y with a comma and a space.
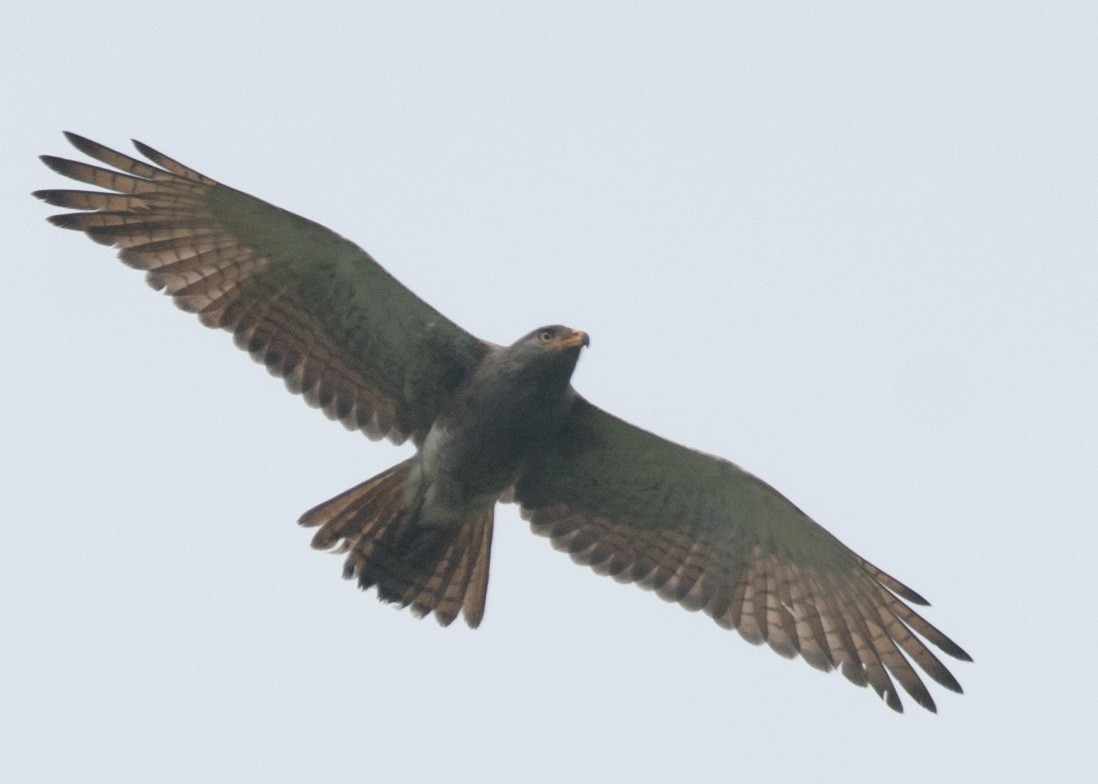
55, 163
924, 700
62, 221
954, 650
144, 149
915, 598
83, 143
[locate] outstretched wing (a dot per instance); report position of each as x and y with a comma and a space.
316, 309
704, 533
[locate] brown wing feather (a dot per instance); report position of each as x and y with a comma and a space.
701, 532
314, 308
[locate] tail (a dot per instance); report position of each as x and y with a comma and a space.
439, 569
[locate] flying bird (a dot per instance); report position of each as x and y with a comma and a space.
491, 423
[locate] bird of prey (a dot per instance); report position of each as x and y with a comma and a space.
491, 423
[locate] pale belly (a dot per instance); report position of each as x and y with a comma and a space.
452, 481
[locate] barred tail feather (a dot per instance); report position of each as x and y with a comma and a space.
440, 570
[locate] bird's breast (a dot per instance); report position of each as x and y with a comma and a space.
471, 455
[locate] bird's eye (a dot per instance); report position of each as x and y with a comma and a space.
545, 335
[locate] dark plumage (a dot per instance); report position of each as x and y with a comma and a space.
492, 423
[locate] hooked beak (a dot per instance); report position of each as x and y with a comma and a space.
576, 339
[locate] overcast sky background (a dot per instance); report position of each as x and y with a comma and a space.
850, 247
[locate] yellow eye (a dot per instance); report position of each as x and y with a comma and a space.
545, 335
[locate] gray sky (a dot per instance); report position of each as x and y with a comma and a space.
851, 248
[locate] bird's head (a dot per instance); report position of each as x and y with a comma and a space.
547, 352
556, 338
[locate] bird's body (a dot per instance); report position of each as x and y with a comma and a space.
515, 401
413, 520
492, 423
